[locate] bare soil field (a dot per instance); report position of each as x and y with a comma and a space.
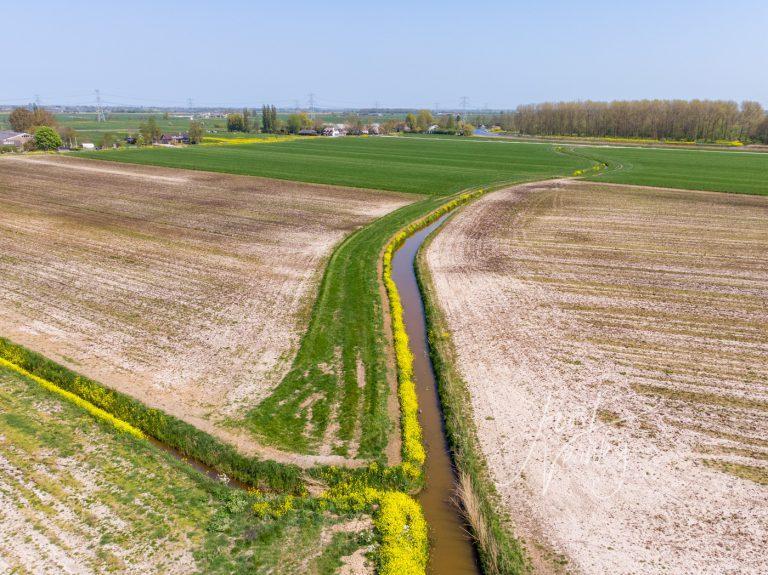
188, 290
614, 341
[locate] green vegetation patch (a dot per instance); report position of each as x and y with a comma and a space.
715, 171
416, 165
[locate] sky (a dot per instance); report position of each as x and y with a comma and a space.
388, 54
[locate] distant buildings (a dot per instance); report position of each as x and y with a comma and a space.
174, 139
18, 139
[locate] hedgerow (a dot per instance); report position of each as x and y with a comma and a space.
186, 438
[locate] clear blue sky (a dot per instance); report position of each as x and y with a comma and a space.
410, 54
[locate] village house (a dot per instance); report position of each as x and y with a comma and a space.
18, 139
174, 139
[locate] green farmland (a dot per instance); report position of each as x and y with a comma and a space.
399, 164
715, 171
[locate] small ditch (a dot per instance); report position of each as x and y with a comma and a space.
452, 550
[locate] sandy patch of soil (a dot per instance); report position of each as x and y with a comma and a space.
187, 290
615, 343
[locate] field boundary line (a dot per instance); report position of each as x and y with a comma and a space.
95, 411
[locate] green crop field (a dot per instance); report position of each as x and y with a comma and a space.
717, 171
399, 164
347, 319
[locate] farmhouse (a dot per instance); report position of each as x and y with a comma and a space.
331, 131
174, 139
10, 138
307, 132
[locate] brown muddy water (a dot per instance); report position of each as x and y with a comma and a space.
452, 550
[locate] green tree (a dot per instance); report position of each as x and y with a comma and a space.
410, 121
424, 120
467, 129
235, 123
150, 131
46, 138
269, 119
266, 119
298, 122
195, 132
246, 120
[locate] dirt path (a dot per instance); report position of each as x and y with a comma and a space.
615, 343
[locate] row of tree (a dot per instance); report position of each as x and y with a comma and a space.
694, 120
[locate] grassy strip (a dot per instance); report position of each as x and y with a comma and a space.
71, 397
500, 552
189, 440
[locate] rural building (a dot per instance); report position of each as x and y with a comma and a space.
307, 133
89, 146
175, 139
18, 139
331, 131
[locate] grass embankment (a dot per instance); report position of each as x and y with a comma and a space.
345, 339
75, 492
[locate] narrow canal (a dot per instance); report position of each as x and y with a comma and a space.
452, 551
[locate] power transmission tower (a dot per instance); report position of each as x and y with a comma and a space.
100, 117
437, 107
296, 105
37, 101
311, 105
464, 101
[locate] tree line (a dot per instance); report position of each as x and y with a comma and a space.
685, 120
